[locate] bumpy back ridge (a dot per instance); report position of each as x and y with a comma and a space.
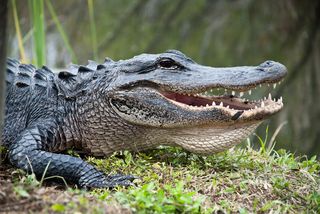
76, 78
23, 75
68, 82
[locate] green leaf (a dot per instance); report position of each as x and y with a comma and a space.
21, 192
58, 207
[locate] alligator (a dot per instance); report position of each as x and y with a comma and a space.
134, 104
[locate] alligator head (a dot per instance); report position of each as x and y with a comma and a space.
200, 108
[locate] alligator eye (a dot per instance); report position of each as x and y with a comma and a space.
168, 64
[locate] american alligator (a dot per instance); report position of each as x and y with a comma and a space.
134, 104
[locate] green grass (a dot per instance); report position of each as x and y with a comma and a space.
93, 29
38, 32
18, 31
61, 31
174, 181
38, 23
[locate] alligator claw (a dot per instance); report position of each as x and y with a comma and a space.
120, 177
110, 181
119, 180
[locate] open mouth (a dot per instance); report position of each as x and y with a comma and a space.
226, 99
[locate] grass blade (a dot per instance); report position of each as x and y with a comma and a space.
271, 144
93, 29
37, 12
61, 31
18, 31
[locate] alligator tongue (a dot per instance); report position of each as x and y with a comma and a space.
188, 100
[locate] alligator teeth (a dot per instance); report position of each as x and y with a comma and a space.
233, 93
221, 104
262, 104
241, 94
213, 103
207, 105
255, 107
274, 85
227, 107
249, 92
280, 100
269, 97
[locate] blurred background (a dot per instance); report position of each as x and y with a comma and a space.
212, 32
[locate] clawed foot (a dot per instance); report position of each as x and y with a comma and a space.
120, 180
110, 181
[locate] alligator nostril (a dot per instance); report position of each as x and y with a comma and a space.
266, 64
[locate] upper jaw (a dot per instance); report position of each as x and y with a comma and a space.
198, 78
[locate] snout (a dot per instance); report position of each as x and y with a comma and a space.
273, 67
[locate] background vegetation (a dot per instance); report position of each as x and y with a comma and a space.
216, 33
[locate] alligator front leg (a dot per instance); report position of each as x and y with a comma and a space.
30, 152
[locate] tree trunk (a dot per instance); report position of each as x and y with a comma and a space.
3, 44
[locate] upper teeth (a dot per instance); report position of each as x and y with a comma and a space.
263, 102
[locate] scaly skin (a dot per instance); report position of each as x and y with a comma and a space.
134, 104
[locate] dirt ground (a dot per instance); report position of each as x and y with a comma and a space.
19, 195
9, 200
